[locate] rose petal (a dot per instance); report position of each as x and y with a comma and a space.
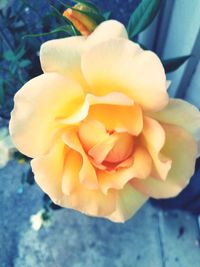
37, 104
91, 202
129, 202
120, 65
87, 174
70, 178
140, 168
122, 149
154, 137
105, 31
113, 98
119, 118
182, 149
63, 56
183, 114
91, 132
112, 148
102, 148
48, 170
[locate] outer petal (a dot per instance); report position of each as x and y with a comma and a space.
120, 65
105, 31
91, 202
37, 104
140, 168
48, 170
154, 136
182, 149
87, 174
63, 56
181, 113
129, 202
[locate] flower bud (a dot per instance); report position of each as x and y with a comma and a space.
84, 20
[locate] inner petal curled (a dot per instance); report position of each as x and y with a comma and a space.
104, 146
122, 149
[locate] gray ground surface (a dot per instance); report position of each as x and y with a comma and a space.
152, 238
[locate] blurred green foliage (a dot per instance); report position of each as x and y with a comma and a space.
19, 59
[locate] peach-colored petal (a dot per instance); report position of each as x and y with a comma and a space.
48, 170
183, 114
112, 148
154, 136
37, 104
113, 98
105, 31
128, 203
120, 65
91, 202
100, 151
140, 168
122, 149
182, 149
70, 178
119, 118
87, 174
63, 56
91, 132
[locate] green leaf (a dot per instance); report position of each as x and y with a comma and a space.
65, 20
66, 28
9, 55
5, 3
142, 16
88, 4
46, 216
90, 10
13, 68
107, 15
24, 63
97, 17
173, 64
14, 56
20, 52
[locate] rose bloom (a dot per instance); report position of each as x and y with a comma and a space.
103, 134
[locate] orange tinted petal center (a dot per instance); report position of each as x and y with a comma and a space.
105, 147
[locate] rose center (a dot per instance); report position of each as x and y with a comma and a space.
105, 147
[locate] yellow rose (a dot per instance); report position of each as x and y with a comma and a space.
99, 124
